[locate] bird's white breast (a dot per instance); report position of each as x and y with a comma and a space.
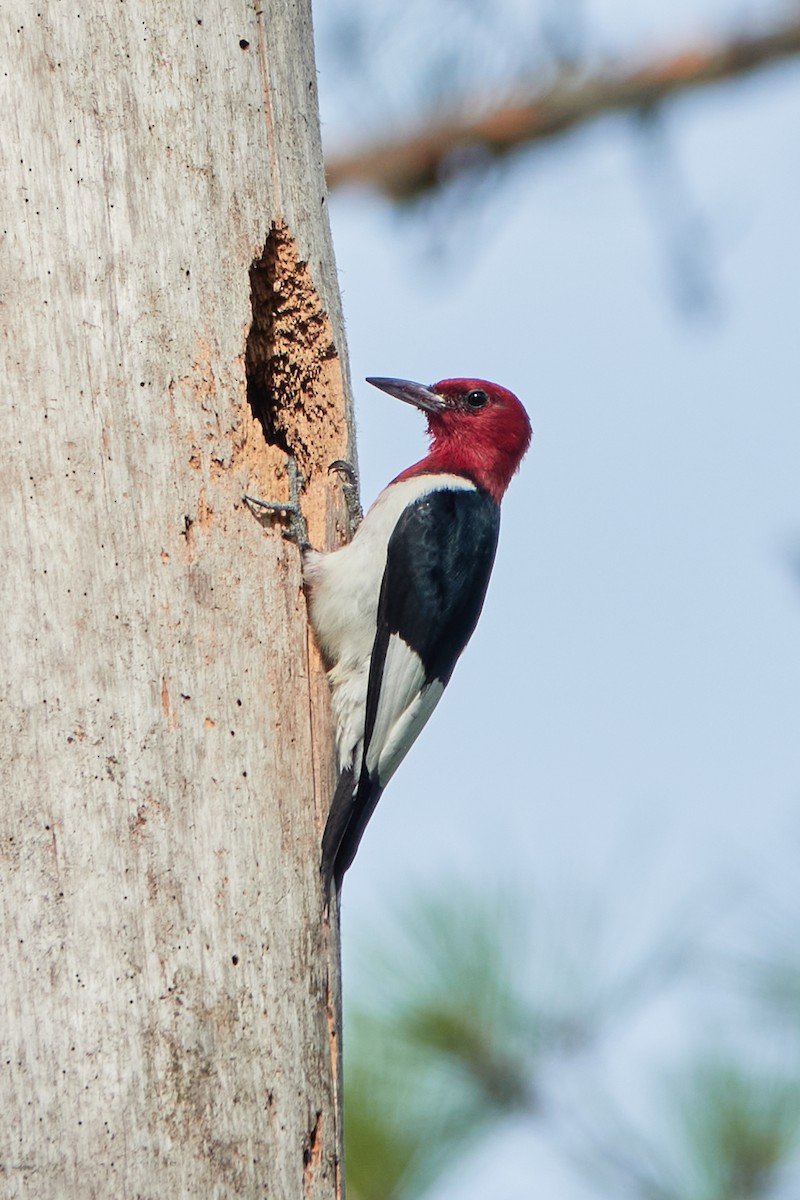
343, 591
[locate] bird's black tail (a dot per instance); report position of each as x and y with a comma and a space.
340, 811
350, 811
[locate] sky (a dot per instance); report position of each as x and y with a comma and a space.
625, 724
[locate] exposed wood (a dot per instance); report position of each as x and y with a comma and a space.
425, 158
170, 987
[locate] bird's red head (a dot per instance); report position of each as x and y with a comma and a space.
477, 429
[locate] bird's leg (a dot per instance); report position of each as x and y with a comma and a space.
297, 531
355, 513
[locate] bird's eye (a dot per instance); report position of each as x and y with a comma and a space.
477, 398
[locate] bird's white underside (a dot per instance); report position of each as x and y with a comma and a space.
344, 588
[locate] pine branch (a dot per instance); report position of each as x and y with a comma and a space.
420, 161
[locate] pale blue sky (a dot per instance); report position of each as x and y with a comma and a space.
626, 721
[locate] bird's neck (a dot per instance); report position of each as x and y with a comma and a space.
491, 474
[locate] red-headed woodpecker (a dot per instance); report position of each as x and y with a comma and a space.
394, 609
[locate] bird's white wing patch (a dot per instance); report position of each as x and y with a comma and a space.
407, 729
404, 706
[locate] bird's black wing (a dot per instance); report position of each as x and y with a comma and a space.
438, 564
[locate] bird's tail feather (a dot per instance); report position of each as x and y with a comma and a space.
362, 807
335, 827
350, 812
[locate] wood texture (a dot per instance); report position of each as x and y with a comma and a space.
169, 983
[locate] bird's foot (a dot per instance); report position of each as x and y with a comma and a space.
355, 513
264, 510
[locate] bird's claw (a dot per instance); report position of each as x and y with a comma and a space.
345, 470
291, 509
347, 474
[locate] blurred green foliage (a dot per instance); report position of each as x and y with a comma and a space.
470, 1013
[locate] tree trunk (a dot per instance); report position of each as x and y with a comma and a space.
171, 331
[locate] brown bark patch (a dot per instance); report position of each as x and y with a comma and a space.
294, 378
312, 1151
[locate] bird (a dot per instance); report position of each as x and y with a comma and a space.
393, 609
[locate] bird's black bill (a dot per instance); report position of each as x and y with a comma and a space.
410, 392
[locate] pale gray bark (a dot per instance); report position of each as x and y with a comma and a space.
169, 983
